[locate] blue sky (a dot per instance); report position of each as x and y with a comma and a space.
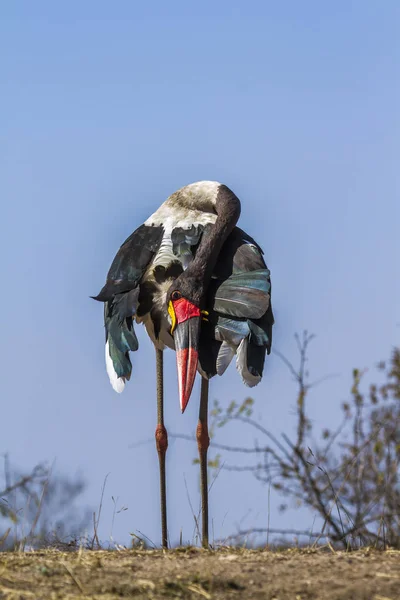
106, 109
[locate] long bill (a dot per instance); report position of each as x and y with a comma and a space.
186, 337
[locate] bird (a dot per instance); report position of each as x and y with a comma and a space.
201, 287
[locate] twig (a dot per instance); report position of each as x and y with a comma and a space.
250, 468
4, 536
196, 520
147, 538
315, 489
95, 536
73, 577
340, 489
96, 522
337, 503
256, 530
191, 438
40, 504
269, 512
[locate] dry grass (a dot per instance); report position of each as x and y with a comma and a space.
194, 574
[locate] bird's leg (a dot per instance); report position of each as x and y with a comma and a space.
162, 445
203, 441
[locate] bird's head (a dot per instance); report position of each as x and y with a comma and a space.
186, 315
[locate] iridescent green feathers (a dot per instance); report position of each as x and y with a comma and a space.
244, 295
241, 318
120, 334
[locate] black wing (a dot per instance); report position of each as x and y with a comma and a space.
131, 261
120, 296
241, 318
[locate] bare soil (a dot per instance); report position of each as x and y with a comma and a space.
194, 574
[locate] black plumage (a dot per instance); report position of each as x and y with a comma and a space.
131, 261
237, 296
240, 305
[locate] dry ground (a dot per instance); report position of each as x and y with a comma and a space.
195, 574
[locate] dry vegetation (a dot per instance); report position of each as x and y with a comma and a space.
194, 574
349, 477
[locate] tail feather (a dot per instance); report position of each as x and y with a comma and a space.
231, 330
120, 337
225, 355
117, 381
122, 334
248, 372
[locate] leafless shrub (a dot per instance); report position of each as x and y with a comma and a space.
37, 508
349, 476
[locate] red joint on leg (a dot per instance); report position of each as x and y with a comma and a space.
161, 439
203, 440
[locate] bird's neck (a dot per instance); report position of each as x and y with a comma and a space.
201, 269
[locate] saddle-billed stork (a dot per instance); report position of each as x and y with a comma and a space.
201, 287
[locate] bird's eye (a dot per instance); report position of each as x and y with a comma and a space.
176, 295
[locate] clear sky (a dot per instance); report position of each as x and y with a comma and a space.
106, 109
